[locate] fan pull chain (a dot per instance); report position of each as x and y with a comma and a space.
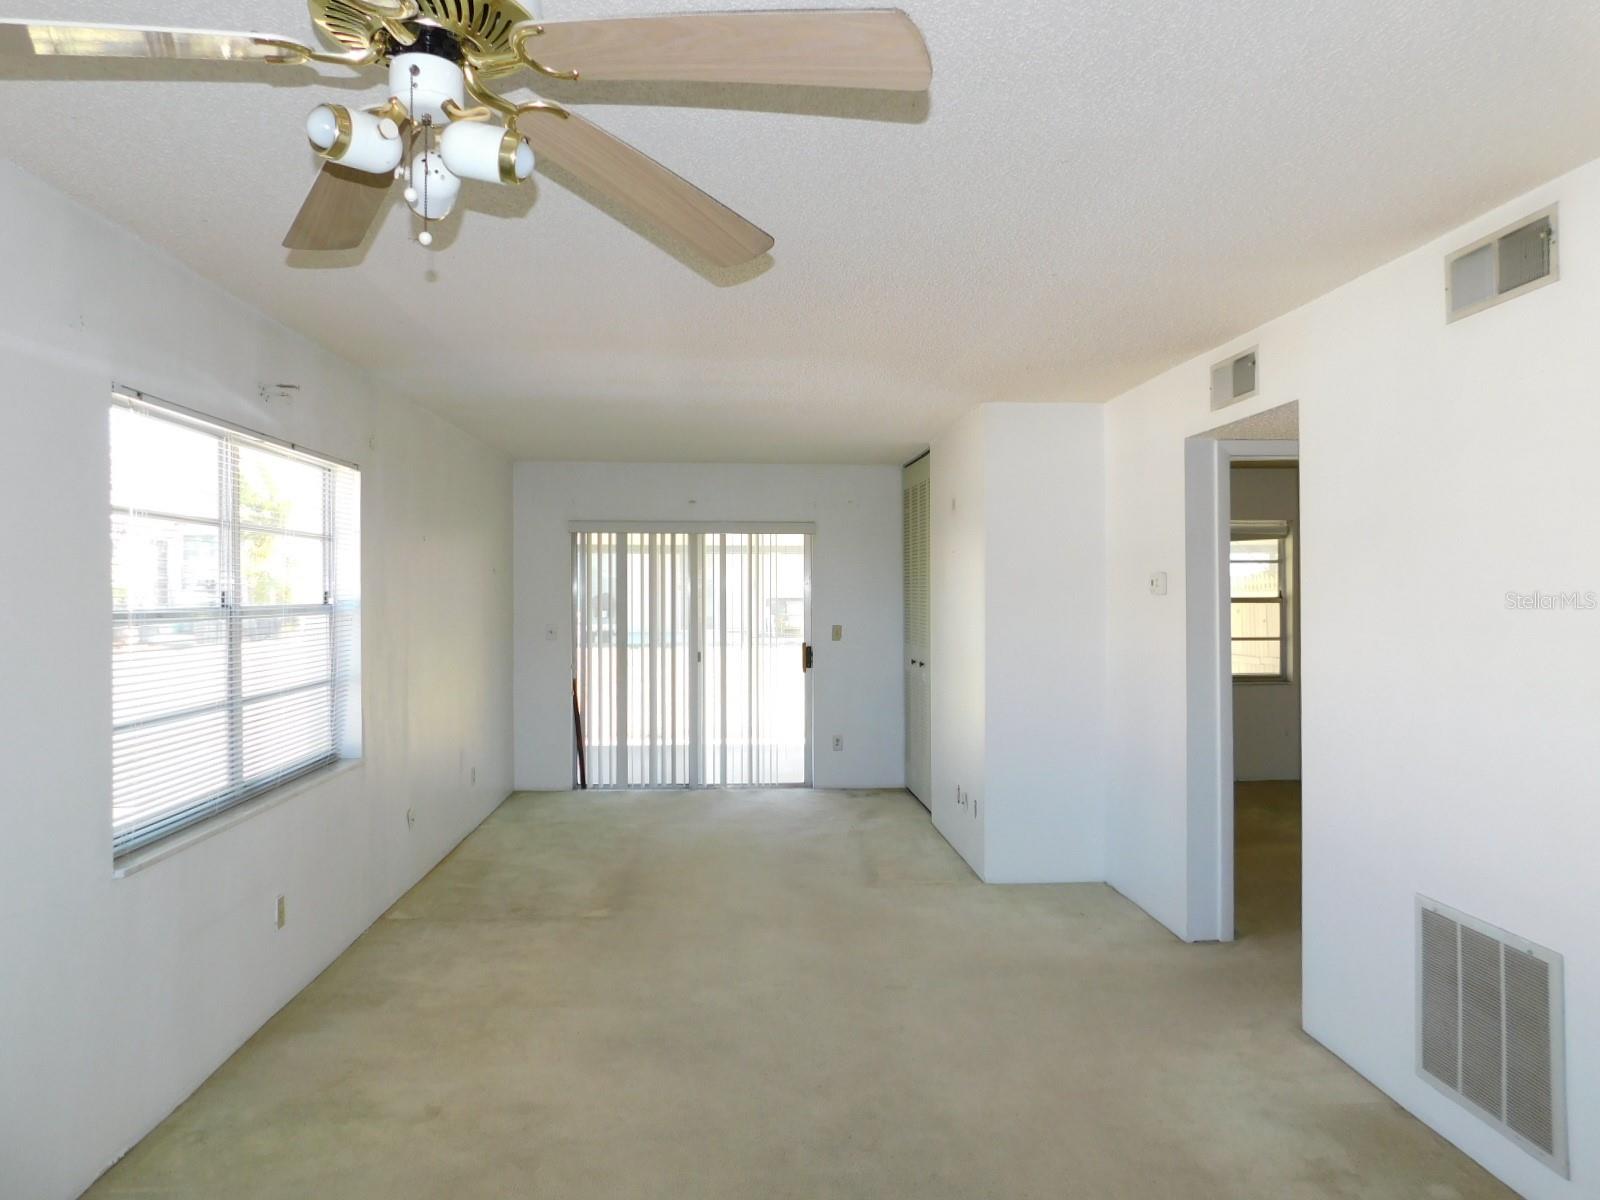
425, 237
410, 143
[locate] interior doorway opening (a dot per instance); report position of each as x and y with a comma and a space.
1209, 659
1264, 627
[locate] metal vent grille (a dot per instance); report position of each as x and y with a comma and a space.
1513, 261
1489, 1027
1233, 379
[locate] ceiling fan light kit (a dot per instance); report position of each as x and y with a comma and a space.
441, 53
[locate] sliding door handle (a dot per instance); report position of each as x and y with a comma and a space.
805, 656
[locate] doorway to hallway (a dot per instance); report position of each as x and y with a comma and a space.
1237, 614
1264, 624
692, 657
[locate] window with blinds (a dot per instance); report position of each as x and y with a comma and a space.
1258, 569
235, 601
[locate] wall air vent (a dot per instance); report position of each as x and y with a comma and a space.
1503, 265
1233, 379
1490, 1027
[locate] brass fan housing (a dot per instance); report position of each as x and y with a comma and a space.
482, 26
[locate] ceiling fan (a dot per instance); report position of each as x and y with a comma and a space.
441, 54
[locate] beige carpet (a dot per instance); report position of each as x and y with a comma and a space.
792, 994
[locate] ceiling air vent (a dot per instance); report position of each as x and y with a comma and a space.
1515, 260
1489, 1027
1233, 379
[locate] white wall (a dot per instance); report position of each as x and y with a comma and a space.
1018, 670
1450, 742
119, 996
1044, 512
858, 688
1266, 715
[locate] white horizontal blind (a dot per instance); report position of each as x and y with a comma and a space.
235, 604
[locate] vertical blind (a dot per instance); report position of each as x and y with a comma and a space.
235, 599
754, 632
631, 608
688, 662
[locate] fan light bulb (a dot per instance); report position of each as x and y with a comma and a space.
322, 127
524, 160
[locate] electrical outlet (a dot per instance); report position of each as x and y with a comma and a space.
838, 742
474, 776
411, 818
281, 915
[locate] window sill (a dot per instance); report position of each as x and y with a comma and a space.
148, 856
1261, 681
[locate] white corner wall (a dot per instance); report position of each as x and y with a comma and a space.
858, 689
121, 995
1044, 513
1266, 716
1018, 663
1449, 743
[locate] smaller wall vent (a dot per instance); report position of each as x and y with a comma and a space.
1233, 379
1517, 259
1490, 1027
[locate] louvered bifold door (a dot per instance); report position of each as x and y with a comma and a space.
915, 527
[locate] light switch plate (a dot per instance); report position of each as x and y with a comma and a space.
1158, 583
838, 633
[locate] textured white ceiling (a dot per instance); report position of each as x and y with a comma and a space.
1093, 192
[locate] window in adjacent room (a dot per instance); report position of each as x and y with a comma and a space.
235, 602
1258, 567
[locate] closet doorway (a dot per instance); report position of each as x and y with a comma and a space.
916, 529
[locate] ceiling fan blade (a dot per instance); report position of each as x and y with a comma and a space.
858, 48
645, 186
338, 211
48, 39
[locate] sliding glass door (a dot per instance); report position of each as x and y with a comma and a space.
690, 666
